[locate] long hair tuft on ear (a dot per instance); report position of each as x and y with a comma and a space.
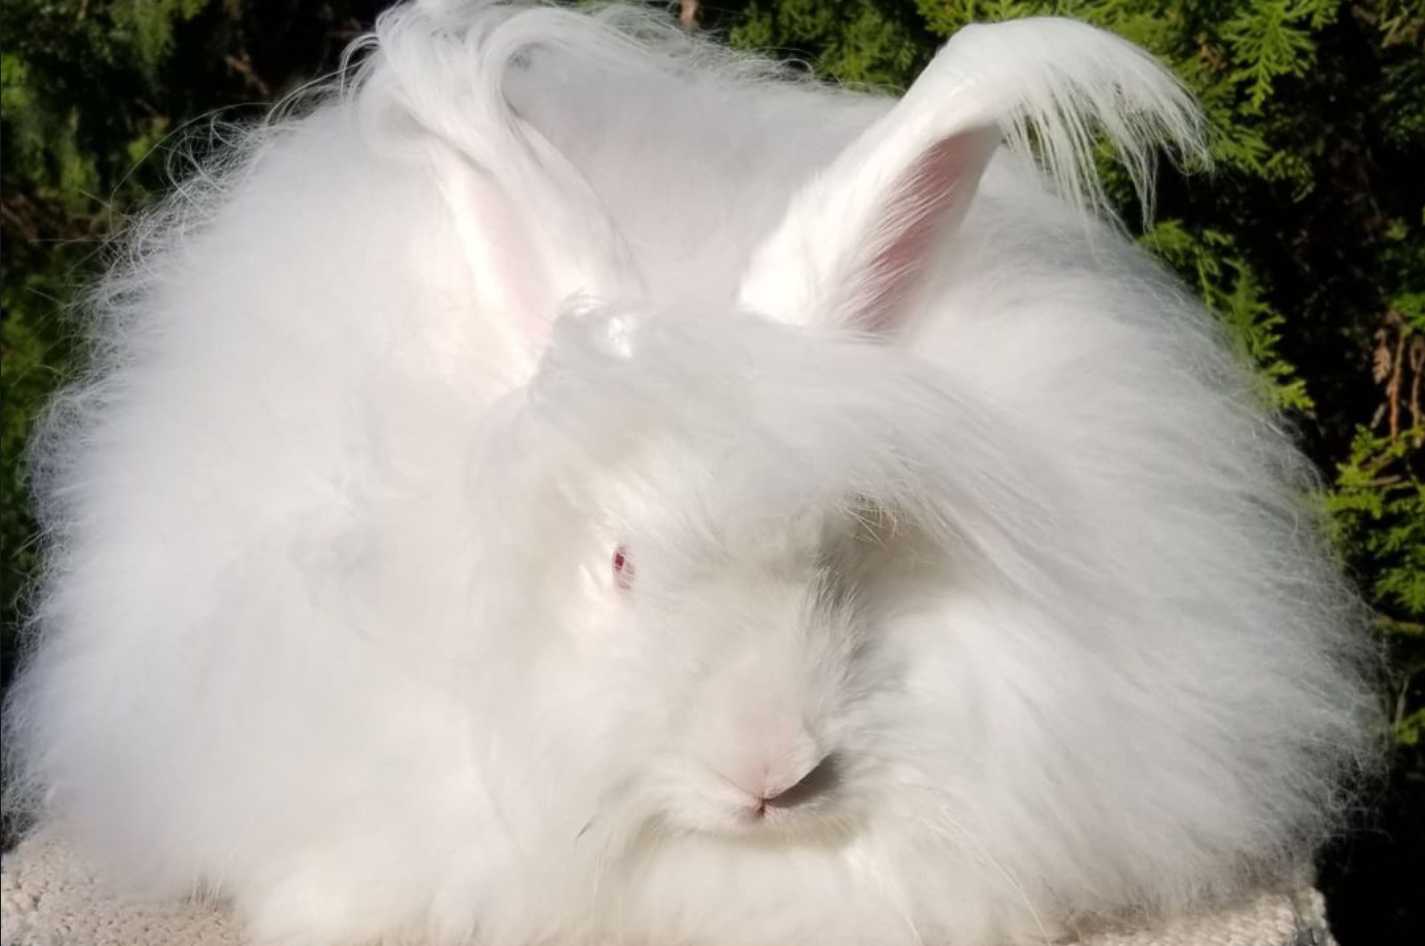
1050, 84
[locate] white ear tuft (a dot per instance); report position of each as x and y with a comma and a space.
856, 236
531, 228
1058, 82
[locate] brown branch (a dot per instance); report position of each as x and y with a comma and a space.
689, 12
11, 212
1397, 363
242, 65
1417, 367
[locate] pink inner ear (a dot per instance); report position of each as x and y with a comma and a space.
507, 275
509, 268
927, 199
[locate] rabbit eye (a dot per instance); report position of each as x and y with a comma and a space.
622, 568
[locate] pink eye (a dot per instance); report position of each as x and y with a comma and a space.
623, 568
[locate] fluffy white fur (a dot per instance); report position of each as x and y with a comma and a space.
916, 466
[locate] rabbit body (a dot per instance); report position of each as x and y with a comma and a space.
574, 483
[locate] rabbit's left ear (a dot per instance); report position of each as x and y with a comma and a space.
856, 240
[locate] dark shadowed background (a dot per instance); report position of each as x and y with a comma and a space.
1308, 241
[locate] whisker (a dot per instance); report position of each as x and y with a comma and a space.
959, 833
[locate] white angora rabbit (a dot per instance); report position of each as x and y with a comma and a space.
576, 485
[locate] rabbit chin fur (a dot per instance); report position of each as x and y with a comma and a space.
861, 452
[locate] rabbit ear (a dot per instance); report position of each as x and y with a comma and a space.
533, 238
508, 274
530, 227
856, 238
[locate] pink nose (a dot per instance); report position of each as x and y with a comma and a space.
790, 783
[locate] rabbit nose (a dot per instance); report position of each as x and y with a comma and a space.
822, 777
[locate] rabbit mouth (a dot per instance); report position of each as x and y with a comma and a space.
813, 810
825, 825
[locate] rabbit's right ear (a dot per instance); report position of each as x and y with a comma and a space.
528, 246
531, 230
507, 274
